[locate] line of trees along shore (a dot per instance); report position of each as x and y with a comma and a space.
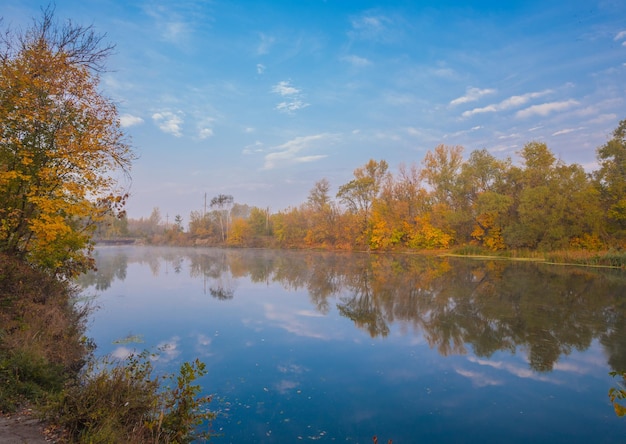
448, 200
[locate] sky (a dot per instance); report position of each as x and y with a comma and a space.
262, 99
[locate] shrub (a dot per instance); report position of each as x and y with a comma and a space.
121, 401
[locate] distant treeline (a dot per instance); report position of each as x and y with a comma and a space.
541, 204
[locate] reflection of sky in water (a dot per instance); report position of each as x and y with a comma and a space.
283, 372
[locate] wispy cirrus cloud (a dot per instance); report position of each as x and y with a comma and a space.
169, 122
128, 120
620, 36
356, 61
472, 95
546, 108
370, 26
294, 99
290, 153
567, 131
265, 43
511, 102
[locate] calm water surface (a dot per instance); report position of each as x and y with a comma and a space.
340, 347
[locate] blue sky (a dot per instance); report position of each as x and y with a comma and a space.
261, 99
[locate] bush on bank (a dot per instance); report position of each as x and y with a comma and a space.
46, 362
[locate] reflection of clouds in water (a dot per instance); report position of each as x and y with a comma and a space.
285, 385
253, 324
291, 368
168, 350
478, 379
289, 321
204, 340
122, 352
589, 362
309, 313
203, 344
515, 370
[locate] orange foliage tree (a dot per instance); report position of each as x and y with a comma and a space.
60, 144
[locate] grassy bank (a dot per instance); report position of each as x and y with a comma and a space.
46, 363
609, 258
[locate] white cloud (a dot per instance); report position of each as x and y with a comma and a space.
567, 131
205, 133
511, 102
289, 152
284, 88
357, 61
127, 120
204, 128
291, 107
260, 68
169, 122
546, 108
471, 95
294, 95
620, 35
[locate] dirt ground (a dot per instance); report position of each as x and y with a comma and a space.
23, 428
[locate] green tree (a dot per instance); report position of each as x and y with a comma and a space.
611, 180
60, 143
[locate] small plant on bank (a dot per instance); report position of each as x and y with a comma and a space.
617, 395
121, 401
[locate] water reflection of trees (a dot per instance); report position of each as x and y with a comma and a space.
456, 304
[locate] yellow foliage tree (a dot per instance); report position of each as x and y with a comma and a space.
426, 236
240, 232
60, 144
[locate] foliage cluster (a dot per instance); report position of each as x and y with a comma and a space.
617, 395
61, 144
540, 205
124, 402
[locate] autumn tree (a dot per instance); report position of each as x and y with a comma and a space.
223, 203
611, 180
483, 186
323, 215
358, 195
61, 146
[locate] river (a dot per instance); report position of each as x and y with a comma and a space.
334, 347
